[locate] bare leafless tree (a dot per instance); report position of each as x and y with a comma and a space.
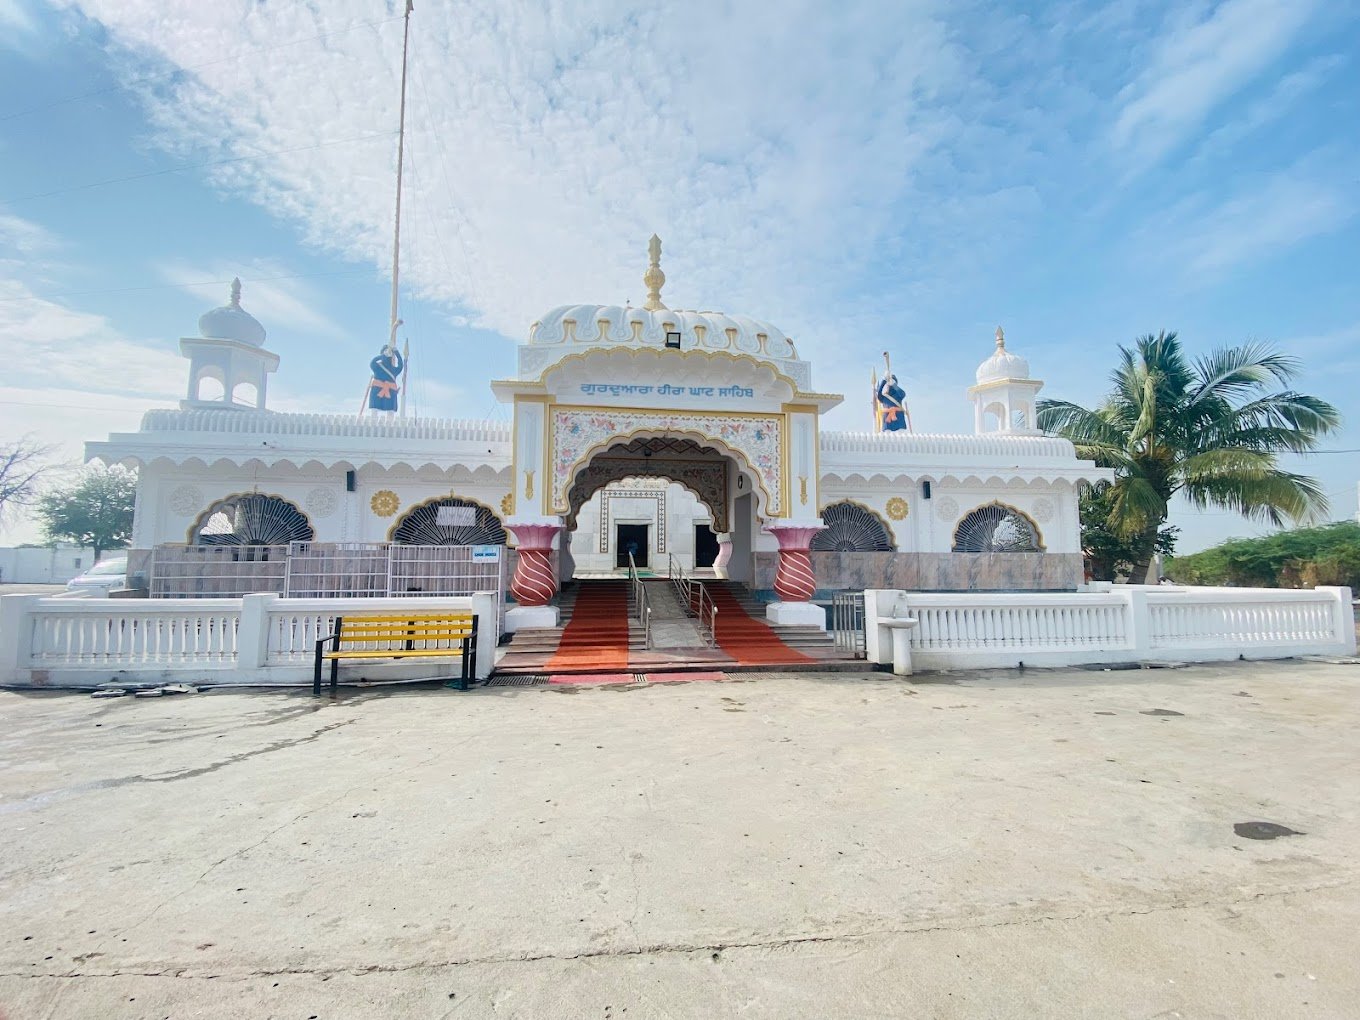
23, 463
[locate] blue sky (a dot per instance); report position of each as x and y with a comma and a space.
867, 176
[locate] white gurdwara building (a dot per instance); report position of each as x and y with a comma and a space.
668, 434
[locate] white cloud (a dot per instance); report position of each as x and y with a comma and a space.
1273, 106
43, 343
774, 155
23, 237
1260, 220
70, 376
1199, 62
279, 303
15, 18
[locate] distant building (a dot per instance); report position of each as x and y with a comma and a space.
40, 564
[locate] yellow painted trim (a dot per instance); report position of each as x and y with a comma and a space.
817, 453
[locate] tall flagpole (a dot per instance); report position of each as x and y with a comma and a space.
396, 225
405, 372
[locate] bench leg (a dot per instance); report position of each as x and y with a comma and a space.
335, 675
316, 675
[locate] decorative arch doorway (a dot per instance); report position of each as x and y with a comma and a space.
648, 493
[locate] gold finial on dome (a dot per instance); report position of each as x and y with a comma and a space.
236, 292
1000, 338
654, 278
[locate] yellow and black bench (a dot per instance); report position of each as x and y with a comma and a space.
399, 636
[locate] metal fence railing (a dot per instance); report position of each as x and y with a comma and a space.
696, 599
847, 622
327, 570
216, 571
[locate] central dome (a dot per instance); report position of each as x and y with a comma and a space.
642, 327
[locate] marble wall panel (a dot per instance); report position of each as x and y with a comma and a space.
934, 571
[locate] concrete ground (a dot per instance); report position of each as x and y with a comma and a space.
1055, 844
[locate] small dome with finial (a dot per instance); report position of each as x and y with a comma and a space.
232, 322
1002, 364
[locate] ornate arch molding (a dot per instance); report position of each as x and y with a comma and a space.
419, 520
997, 527
706, 480
768, 374
580, 435
852, 526
256, 518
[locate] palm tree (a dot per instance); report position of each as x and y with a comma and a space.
1211, 431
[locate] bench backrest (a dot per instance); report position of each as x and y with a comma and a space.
426, 629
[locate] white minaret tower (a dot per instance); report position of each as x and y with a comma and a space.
1003, 399
230, 351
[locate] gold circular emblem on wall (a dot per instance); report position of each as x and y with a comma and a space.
897, 508
384, 502
507, 504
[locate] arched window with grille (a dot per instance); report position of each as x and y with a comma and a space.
448, 521
251, 518
997, 527
851, 528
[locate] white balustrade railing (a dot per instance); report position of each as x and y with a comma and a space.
120, 633
1186, 620
1031, 621
257, 639
1126, 624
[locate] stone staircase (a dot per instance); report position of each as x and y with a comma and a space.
678, 641
805, 639
532, 646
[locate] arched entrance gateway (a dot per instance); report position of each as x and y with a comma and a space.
720, 404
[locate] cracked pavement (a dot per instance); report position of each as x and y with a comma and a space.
988, 844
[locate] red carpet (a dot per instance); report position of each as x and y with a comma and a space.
748, 640
598, 632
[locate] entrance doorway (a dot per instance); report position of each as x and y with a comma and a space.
630, 538
705, 546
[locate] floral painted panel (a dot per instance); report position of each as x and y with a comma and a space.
576, 434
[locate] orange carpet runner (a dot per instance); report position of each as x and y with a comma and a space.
597, 634
750, 641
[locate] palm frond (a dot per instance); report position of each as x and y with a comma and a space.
1311, 416
1225, 463
1276, 496
1235, 371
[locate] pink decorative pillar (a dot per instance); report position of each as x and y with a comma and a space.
724, 554
534, 583
794, 582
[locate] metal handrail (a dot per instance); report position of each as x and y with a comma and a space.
643, 607
694, 596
